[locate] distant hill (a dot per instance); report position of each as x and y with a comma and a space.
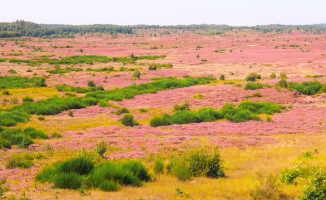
30, 29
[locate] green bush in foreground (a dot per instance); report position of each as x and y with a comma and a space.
199, 162
80, 172
317, 187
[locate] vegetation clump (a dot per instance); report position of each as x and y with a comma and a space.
198, 162
22, 138
108, 175
9, 82
245, 111
256, 86
152, 87
128, 120
307, 88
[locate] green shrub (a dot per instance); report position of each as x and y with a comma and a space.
317, 187
309, 87
91, 84
198, 96
41, 118
257, 95
101, 149
80, 166
136, 74
70, 113
124, 173
35, 134
59, 70
17, 162
122, 110
152, 87
222, 77
11, 118
255, 86
22, 138
56, 135
245, 111
283, 76
158, 166
184, 106
163, 120
197, 162
143, 110
68, 181
109, 185
28, 99
252, 77
11, 71
289, 175
9, 82
103, 103
273, 75
128, 120
261, 107
5, 92
154, 66
282, 83
267, 188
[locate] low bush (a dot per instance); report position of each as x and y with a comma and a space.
198, 162
253, 77
184, 106
68, 181
59, 70
245, 111
257, 95
307, 88
128, 120
68, 88
256, 86
107, 176
136, 75
23, 160
122, 110
9, 82
11, 118
198, 96
154, 66
158, 166
267, 188
152, 87
317, 187
101, 149
28, 99
22, 138
54, 105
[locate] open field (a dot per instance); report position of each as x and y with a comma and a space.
251, 148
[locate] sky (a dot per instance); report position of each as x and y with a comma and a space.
165, 12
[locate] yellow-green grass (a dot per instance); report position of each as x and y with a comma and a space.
35, 93
65, 123
241, 166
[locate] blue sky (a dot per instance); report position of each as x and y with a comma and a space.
165, 12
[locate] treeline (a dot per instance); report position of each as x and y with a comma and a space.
30, 29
